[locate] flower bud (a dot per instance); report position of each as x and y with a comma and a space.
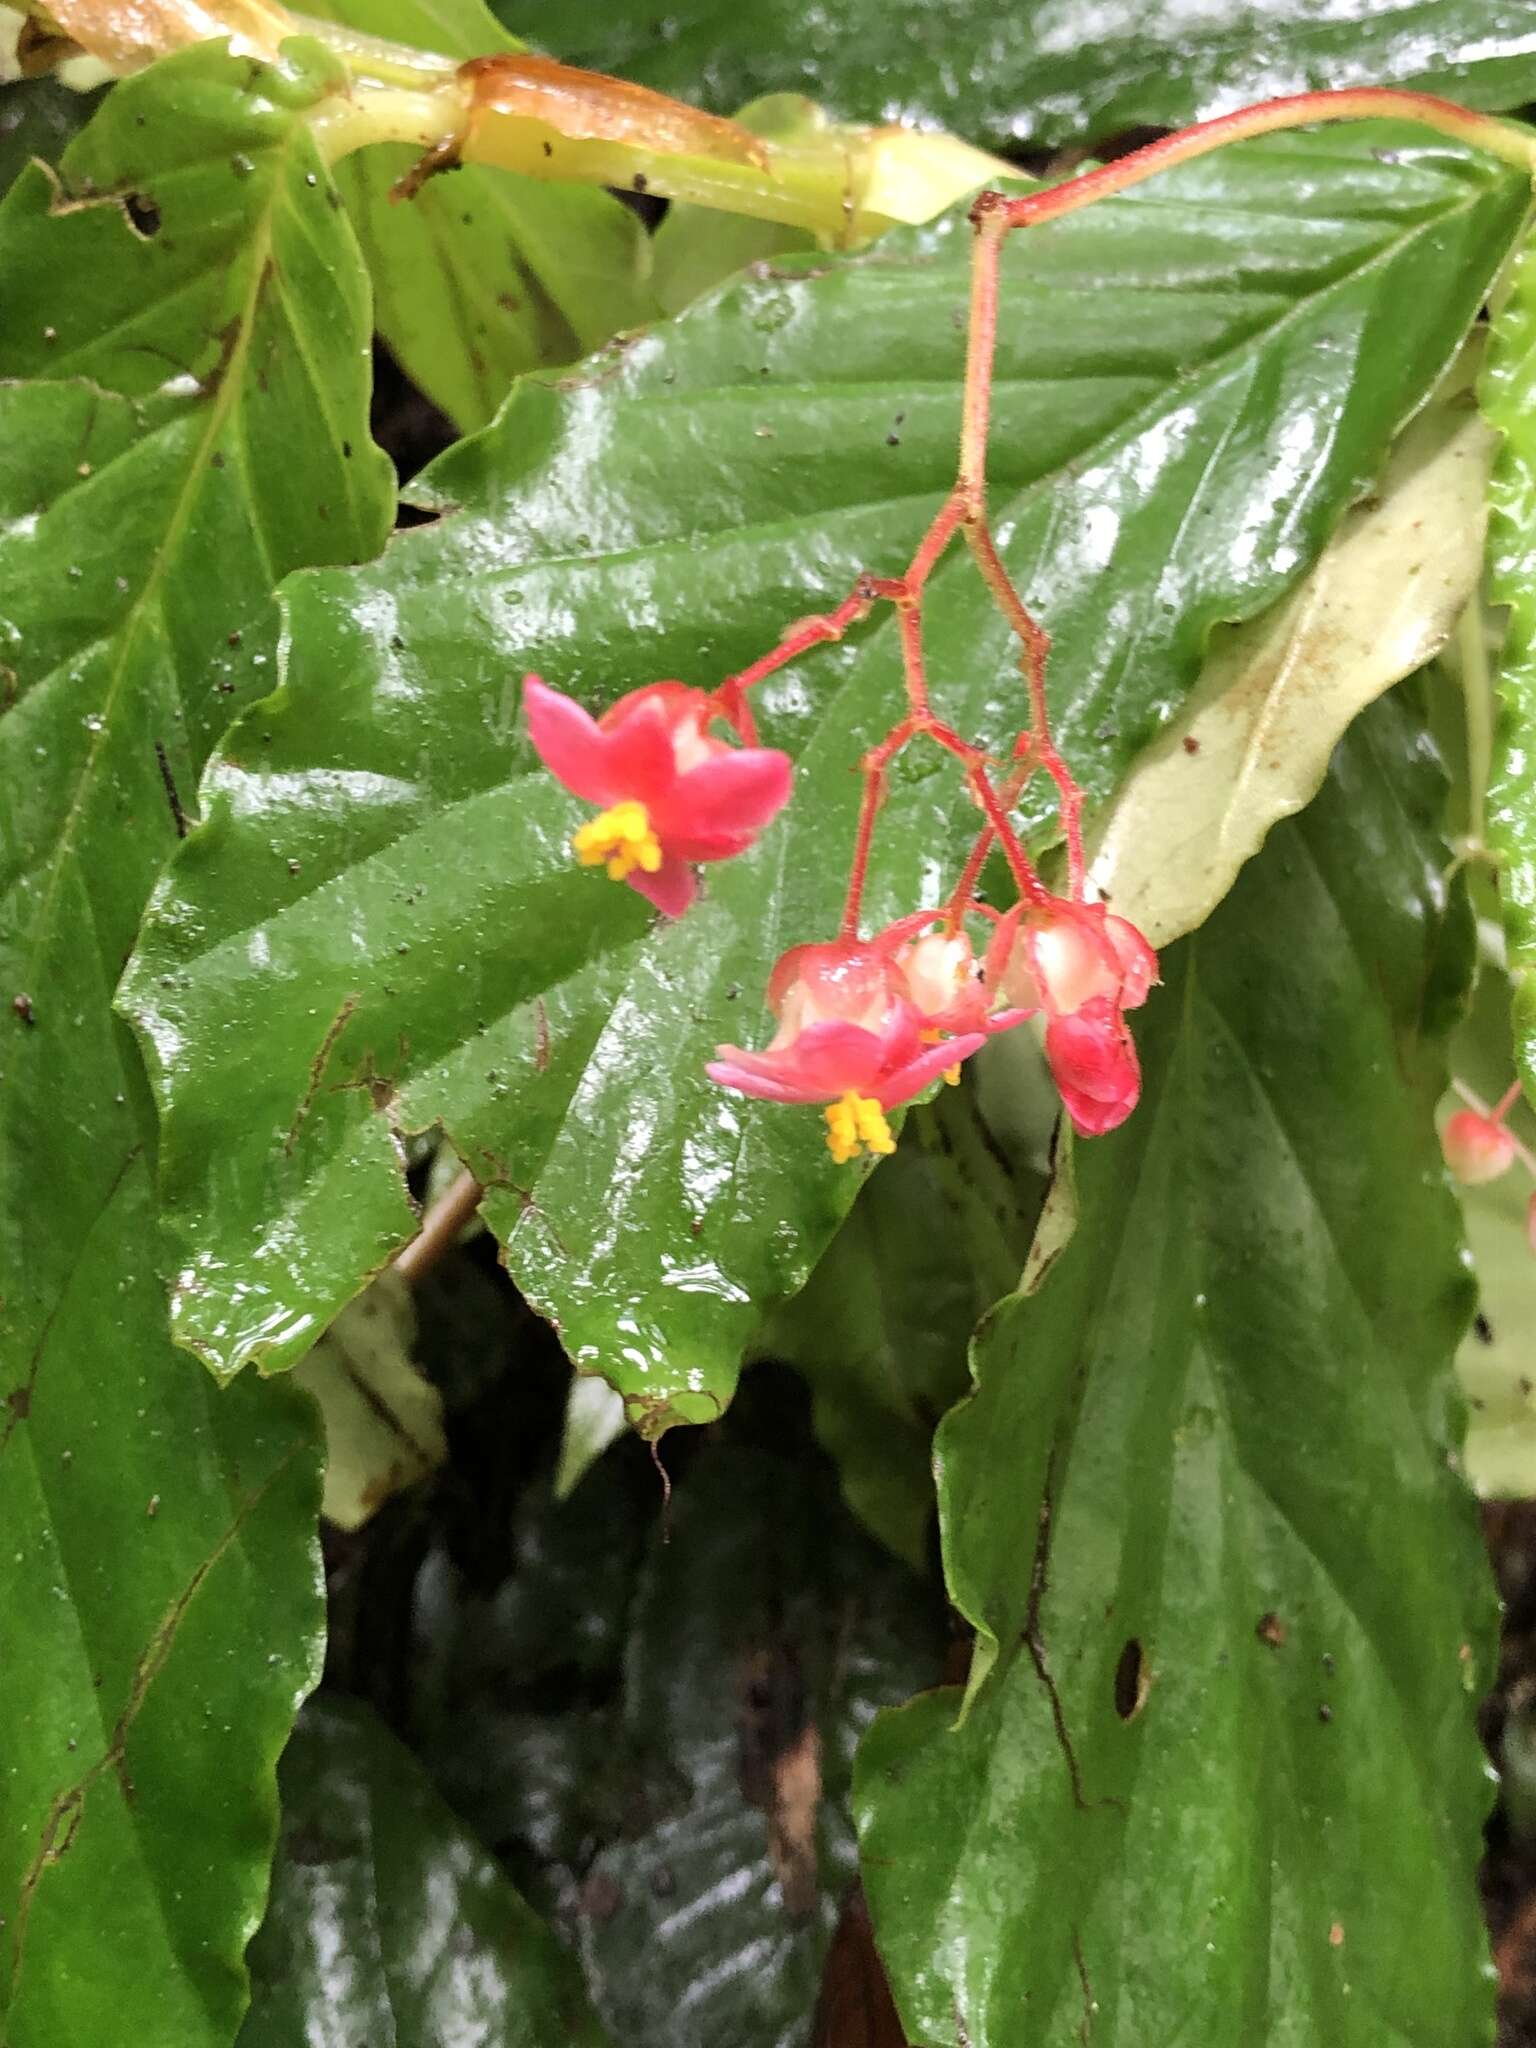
1476, 1148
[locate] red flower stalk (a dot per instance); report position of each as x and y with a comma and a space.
671, 793
849, 1036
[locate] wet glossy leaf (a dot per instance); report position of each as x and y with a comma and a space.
389, 1924
484, 274
1508, 392
183, 347
1044, 71
881, 1329
1231, 1604
384, 889
1252, 744
666, 1732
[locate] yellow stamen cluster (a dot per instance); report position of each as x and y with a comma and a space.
951, 1074
855, 1124
621, 839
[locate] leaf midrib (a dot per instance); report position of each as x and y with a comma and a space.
138, 613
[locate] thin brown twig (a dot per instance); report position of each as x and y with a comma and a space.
440, 1228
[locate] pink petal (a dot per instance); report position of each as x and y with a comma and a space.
1093, 1062
736, 793
834, 1058
568, 742
672, 888
1138, 962
933, 1060
1005, 1020
756, 1074
641, 759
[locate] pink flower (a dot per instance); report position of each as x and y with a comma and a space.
671, 793
849, 1036
1477, 1148
1084, 967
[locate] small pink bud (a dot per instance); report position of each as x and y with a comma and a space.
1093, 1062
1476, 1148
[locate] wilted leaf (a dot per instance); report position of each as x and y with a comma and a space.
389, 1925
1231, 1602
184, 418
385, 891
383, 1420
1252, 744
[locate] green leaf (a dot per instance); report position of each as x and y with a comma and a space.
484, 274
184, 419
1046, 71
667, 1732
881, 1328
165, 1616
384, 890
389, 1924
1251, 746
1233, 1616
1508, 393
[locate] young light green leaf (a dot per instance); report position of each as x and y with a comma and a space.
1051, 71
389, 1924
385, 890
383, 1419
696, 248
183, 420
1497, 1361
905, 174
484, 274
1231, 1605
1252, 744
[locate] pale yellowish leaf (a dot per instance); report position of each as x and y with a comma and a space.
383, 1420
1252, 745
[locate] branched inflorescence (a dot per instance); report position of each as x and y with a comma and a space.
865, 1023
